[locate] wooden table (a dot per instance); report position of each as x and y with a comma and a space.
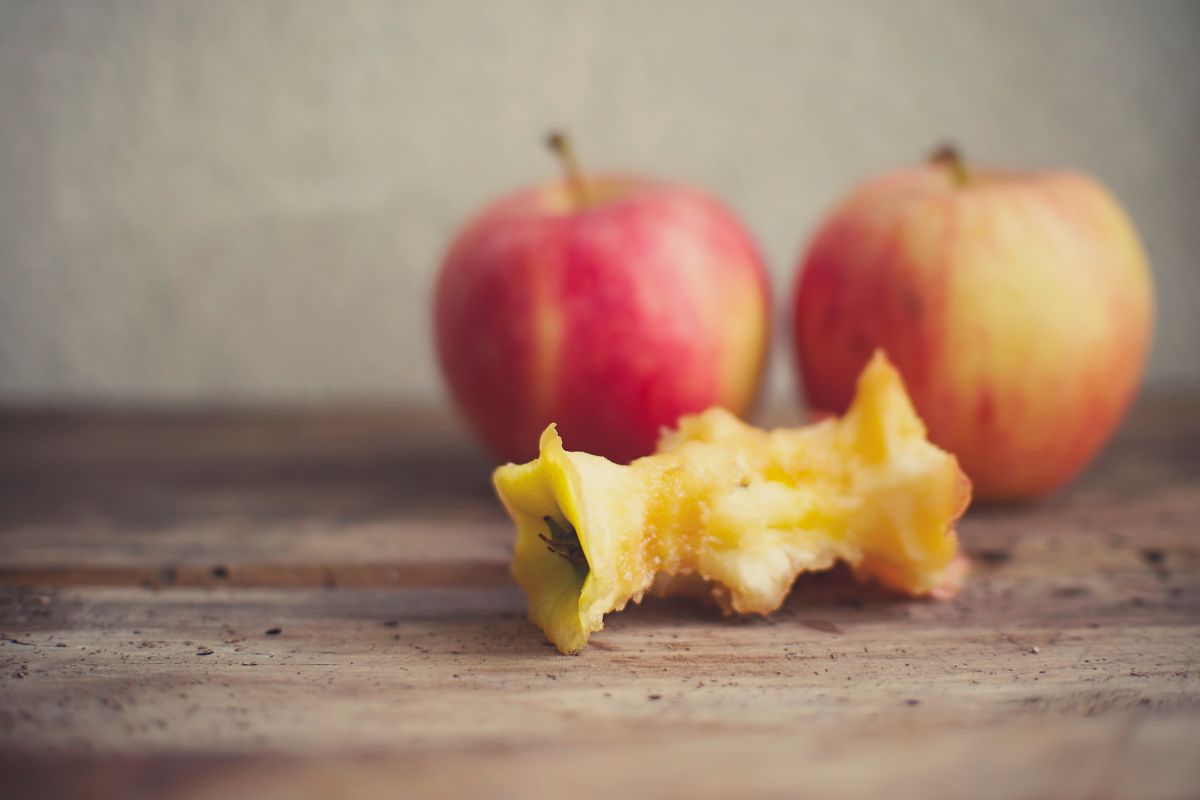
302, 604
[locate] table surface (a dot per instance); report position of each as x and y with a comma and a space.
296, 603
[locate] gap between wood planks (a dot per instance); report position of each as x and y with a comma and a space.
407, 574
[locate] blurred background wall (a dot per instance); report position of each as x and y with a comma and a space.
246, 201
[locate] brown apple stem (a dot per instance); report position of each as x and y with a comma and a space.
560, 144
948, 156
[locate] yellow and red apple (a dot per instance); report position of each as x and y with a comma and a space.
608, 304
1017, 306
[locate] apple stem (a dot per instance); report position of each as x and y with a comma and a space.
560, 144
948, 156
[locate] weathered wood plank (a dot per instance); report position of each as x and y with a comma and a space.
129, 549
456, 676
1106, 633
1116, 758
389, 499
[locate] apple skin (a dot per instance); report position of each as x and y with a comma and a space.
1017, 307
612, 320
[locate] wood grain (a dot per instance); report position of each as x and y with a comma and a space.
292, 604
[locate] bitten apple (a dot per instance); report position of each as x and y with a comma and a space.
1017, 306
608, 304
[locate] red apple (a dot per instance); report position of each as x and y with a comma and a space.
609, 304
1017, 306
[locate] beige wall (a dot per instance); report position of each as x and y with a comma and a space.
246, 201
